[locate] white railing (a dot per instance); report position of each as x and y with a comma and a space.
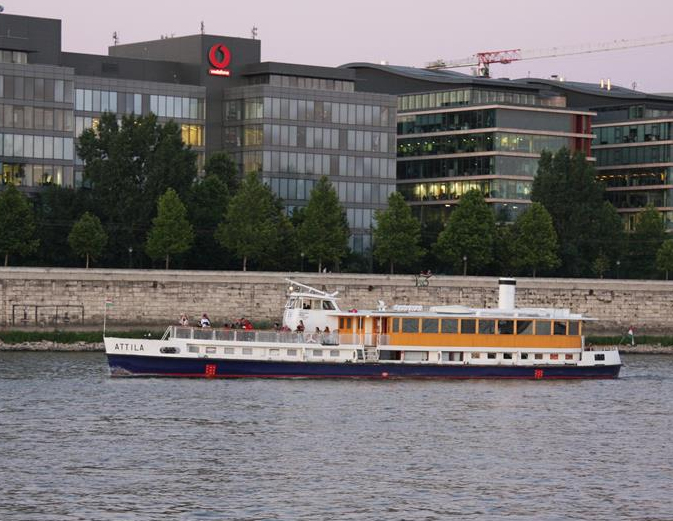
243, 335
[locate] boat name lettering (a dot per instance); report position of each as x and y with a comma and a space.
129, 347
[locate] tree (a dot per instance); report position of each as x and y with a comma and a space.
206, 205
665, 257
251, 225
566, 186
171, 232
130, 165
644, 243
56, 209
323, 234
601, 264
397, 235
17, 224
87, 237
535, 242
469, 235
223, 167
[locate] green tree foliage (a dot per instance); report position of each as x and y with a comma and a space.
129, 166
470, 232
665, 257
206, 205
323, 234
397, 234
87, 237
610, 237
566, 186
503, 251
56, 210
254, 227
171, 232
601, 265
535, 242
644, 243
17, 224
223, 167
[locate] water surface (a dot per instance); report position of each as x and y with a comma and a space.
78, 445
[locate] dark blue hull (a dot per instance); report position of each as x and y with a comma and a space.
129, 365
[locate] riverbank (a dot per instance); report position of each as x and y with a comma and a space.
654, 349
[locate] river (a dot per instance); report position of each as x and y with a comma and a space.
78, 445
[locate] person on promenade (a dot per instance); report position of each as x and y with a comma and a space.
205, 321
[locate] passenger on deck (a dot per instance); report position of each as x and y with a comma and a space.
326, 329
300, 327
205, 321
184, 321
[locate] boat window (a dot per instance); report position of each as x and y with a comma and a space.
193, 349
524, 356
316, 352
274, 352
538, 356
396, 325
247, 350
291, 352
506, 327
570, 357
542, 327
560, 327
345, 323
169, 350
334, 352
415, 356
490, 356
599, 356
524, 327
306, 304
409, 325
328, 305
452, 356
390, 355
430, 325
299, 303
486, 327
229, 351
573, 328
507, 356
211, 350
450, 325
475, 355
553, 356
290, 304
467, 325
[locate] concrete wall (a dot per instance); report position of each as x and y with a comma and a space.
73, 297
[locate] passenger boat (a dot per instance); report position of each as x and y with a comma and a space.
439, 342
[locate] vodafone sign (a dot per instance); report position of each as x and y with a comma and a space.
219, 57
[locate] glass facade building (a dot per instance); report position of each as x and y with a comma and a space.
635, 161
293, 129
457, 133
444, 152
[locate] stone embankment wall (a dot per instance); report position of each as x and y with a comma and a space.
52, 297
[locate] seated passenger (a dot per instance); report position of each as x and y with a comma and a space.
205, 321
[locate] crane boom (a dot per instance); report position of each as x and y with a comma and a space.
484, 59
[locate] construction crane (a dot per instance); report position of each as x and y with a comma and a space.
483, 60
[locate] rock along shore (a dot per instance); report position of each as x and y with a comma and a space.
655, 349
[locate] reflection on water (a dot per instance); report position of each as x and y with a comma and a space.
75, 444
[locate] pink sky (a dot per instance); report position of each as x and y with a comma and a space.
405, 33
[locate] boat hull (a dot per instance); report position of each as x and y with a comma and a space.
131, 365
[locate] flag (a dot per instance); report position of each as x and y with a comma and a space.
108, 303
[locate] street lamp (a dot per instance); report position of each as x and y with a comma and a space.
130, 257
302, 261
464, 265
618, 263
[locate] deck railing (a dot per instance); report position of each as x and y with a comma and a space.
243, 335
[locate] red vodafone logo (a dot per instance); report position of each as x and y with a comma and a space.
219, 57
